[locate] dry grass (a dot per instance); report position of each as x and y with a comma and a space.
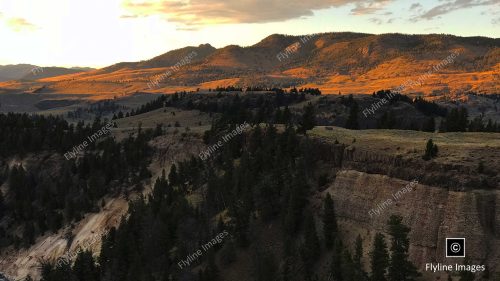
466, 149
195, 120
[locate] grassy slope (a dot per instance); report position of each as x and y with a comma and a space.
454, 148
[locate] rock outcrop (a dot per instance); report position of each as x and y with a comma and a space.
433, 213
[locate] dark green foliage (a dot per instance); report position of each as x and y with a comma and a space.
430, 125
379, 259
337, 262
329, 222
431, 150
265, 266
269, 183
308, 119
456, 120
387, 121
311, 247
40, 202
85, 268
352, 120
400, 268
149, 106
357, 266
424, 106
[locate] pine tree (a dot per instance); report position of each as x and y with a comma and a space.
400, 268
172, 176
287, 116
308, 119
349, 270
358, 272
431, 150
358, 254
311, 247
379, 258
85, 268
2, 205
430, 125
329, 221
265, 266
352, 120
336, 265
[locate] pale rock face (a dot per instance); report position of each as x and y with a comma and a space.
433, 213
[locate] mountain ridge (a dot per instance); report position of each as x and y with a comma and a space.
337, 61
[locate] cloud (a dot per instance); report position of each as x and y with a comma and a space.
496, 21
206, 12
415, 6
453, 5
20, 24
375, 21
364, 8
129, 16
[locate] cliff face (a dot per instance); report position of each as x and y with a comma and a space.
450, 175
433, 213
87, 233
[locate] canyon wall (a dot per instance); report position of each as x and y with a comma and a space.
433, 213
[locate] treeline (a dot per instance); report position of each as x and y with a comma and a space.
259, 178
452, 120
157, 103
311, 91
23, 133
254, 108
457, 121
228, 89
48, 195
218, 104
424, 106
99, 109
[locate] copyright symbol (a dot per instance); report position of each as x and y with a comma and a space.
455, 247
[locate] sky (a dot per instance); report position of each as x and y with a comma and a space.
98, 33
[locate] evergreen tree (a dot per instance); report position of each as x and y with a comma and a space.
431, 150
358, 272
173, 178
308, 119
287, 116
430, 125
265, 266
311, 247
349, 270
400, 268
2, 205
85, 268
336, 265
329, 222
379, 258
387, 121
352, 120
358, 254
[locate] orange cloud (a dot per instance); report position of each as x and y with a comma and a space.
20, 24
205, 12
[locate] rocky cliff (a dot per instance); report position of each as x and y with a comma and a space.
433, 213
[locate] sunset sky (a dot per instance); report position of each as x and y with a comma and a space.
98, 33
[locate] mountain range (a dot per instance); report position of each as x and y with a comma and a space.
33, 72
334, 62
